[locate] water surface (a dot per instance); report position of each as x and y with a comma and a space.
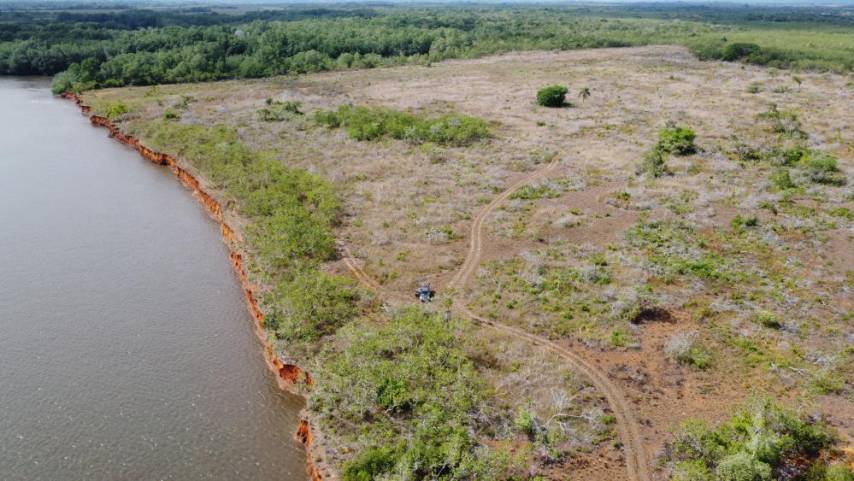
126, 350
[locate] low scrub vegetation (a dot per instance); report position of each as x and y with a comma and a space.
365, 123
762, 442
671, 140
677, 140
685, 348
276, 110
412, 379
822, 168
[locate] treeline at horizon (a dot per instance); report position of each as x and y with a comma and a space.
112, 46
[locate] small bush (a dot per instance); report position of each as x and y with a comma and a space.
170, 114
277, 111
767, 319
677, 140
740, 223
754, 88
823, 169
115, 110
784, 122
781, 180
653, 163
533, 192
684, 348
552, 96
526, 423
740, 51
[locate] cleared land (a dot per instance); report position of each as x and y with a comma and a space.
729, 277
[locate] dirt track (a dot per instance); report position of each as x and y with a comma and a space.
637, 465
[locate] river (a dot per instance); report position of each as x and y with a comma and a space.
126, 350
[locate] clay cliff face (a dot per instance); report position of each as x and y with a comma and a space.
287, 375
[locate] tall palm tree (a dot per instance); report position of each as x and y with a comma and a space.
584, 93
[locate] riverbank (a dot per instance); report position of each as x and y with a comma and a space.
288, 375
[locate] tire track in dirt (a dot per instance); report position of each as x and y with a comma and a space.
627, 426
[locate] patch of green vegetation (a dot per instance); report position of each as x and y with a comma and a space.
277, 111
843, 212
782, 180
817, 47
653, 164
822, 168
671, 140
552, 96
116, 109
784, 122
365, 123
677, 140
759, 443
740, 222
411, 378
533, 192
674, 248
767, 319
686, 349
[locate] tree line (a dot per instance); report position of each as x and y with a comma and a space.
141, 47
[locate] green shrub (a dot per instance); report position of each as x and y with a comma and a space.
277, 111
838, 472
739, 222
822, 168
677, 140
753, 443
653, 163
788, 156
843, 212
533, 192
170, 114
526, 423
115, 110
781, 180
364, 123
767, 319
692, 471
741, 466
552, 96
784, 122
740, 51
684, 348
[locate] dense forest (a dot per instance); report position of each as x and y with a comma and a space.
114, 46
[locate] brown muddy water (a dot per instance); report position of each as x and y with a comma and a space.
126, 350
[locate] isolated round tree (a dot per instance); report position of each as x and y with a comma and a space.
552, 96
